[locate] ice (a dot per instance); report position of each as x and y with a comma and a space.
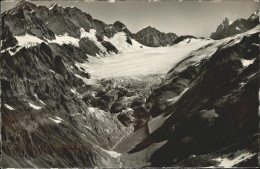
237, 28
9, 107
34, 106
135, 61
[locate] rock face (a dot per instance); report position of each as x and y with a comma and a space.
227, 28
47, 118
182, 38
207, 107
152, 37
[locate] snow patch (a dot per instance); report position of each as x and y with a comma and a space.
12, 50
65, 39
36, 96
113, 154
86, 80
91, 35
88, 127
57, 120
96, 113
155, 123
52, 71
28, 40
119, 41
9, 107
73, 90
173, 100
247, 62
239, 157
34, 106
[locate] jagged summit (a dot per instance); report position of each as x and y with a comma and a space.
46, 22
226, 22
254, 16
23, 5
55, 6
119, 24
227, 28
149, 28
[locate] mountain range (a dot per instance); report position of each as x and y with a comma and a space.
202, 113
228, 28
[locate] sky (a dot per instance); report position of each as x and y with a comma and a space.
183, 18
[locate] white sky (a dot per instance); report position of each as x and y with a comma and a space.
182, 18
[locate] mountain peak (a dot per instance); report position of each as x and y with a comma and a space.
119, 24
54, 6
21, 6
149, 28
226, 22
254, 16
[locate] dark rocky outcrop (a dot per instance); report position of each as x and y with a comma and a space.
184, 37
152, 37
110, 48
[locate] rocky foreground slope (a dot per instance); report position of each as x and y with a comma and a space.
207, 107
204, 113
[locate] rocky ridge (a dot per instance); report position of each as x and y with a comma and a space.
150, 36
227, 28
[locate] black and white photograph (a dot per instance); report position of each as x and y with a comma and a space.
129, 84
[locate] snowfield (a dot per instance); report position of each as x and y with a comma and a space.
136, 60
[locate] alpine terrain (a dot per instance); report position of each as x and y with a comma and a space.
77, 92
